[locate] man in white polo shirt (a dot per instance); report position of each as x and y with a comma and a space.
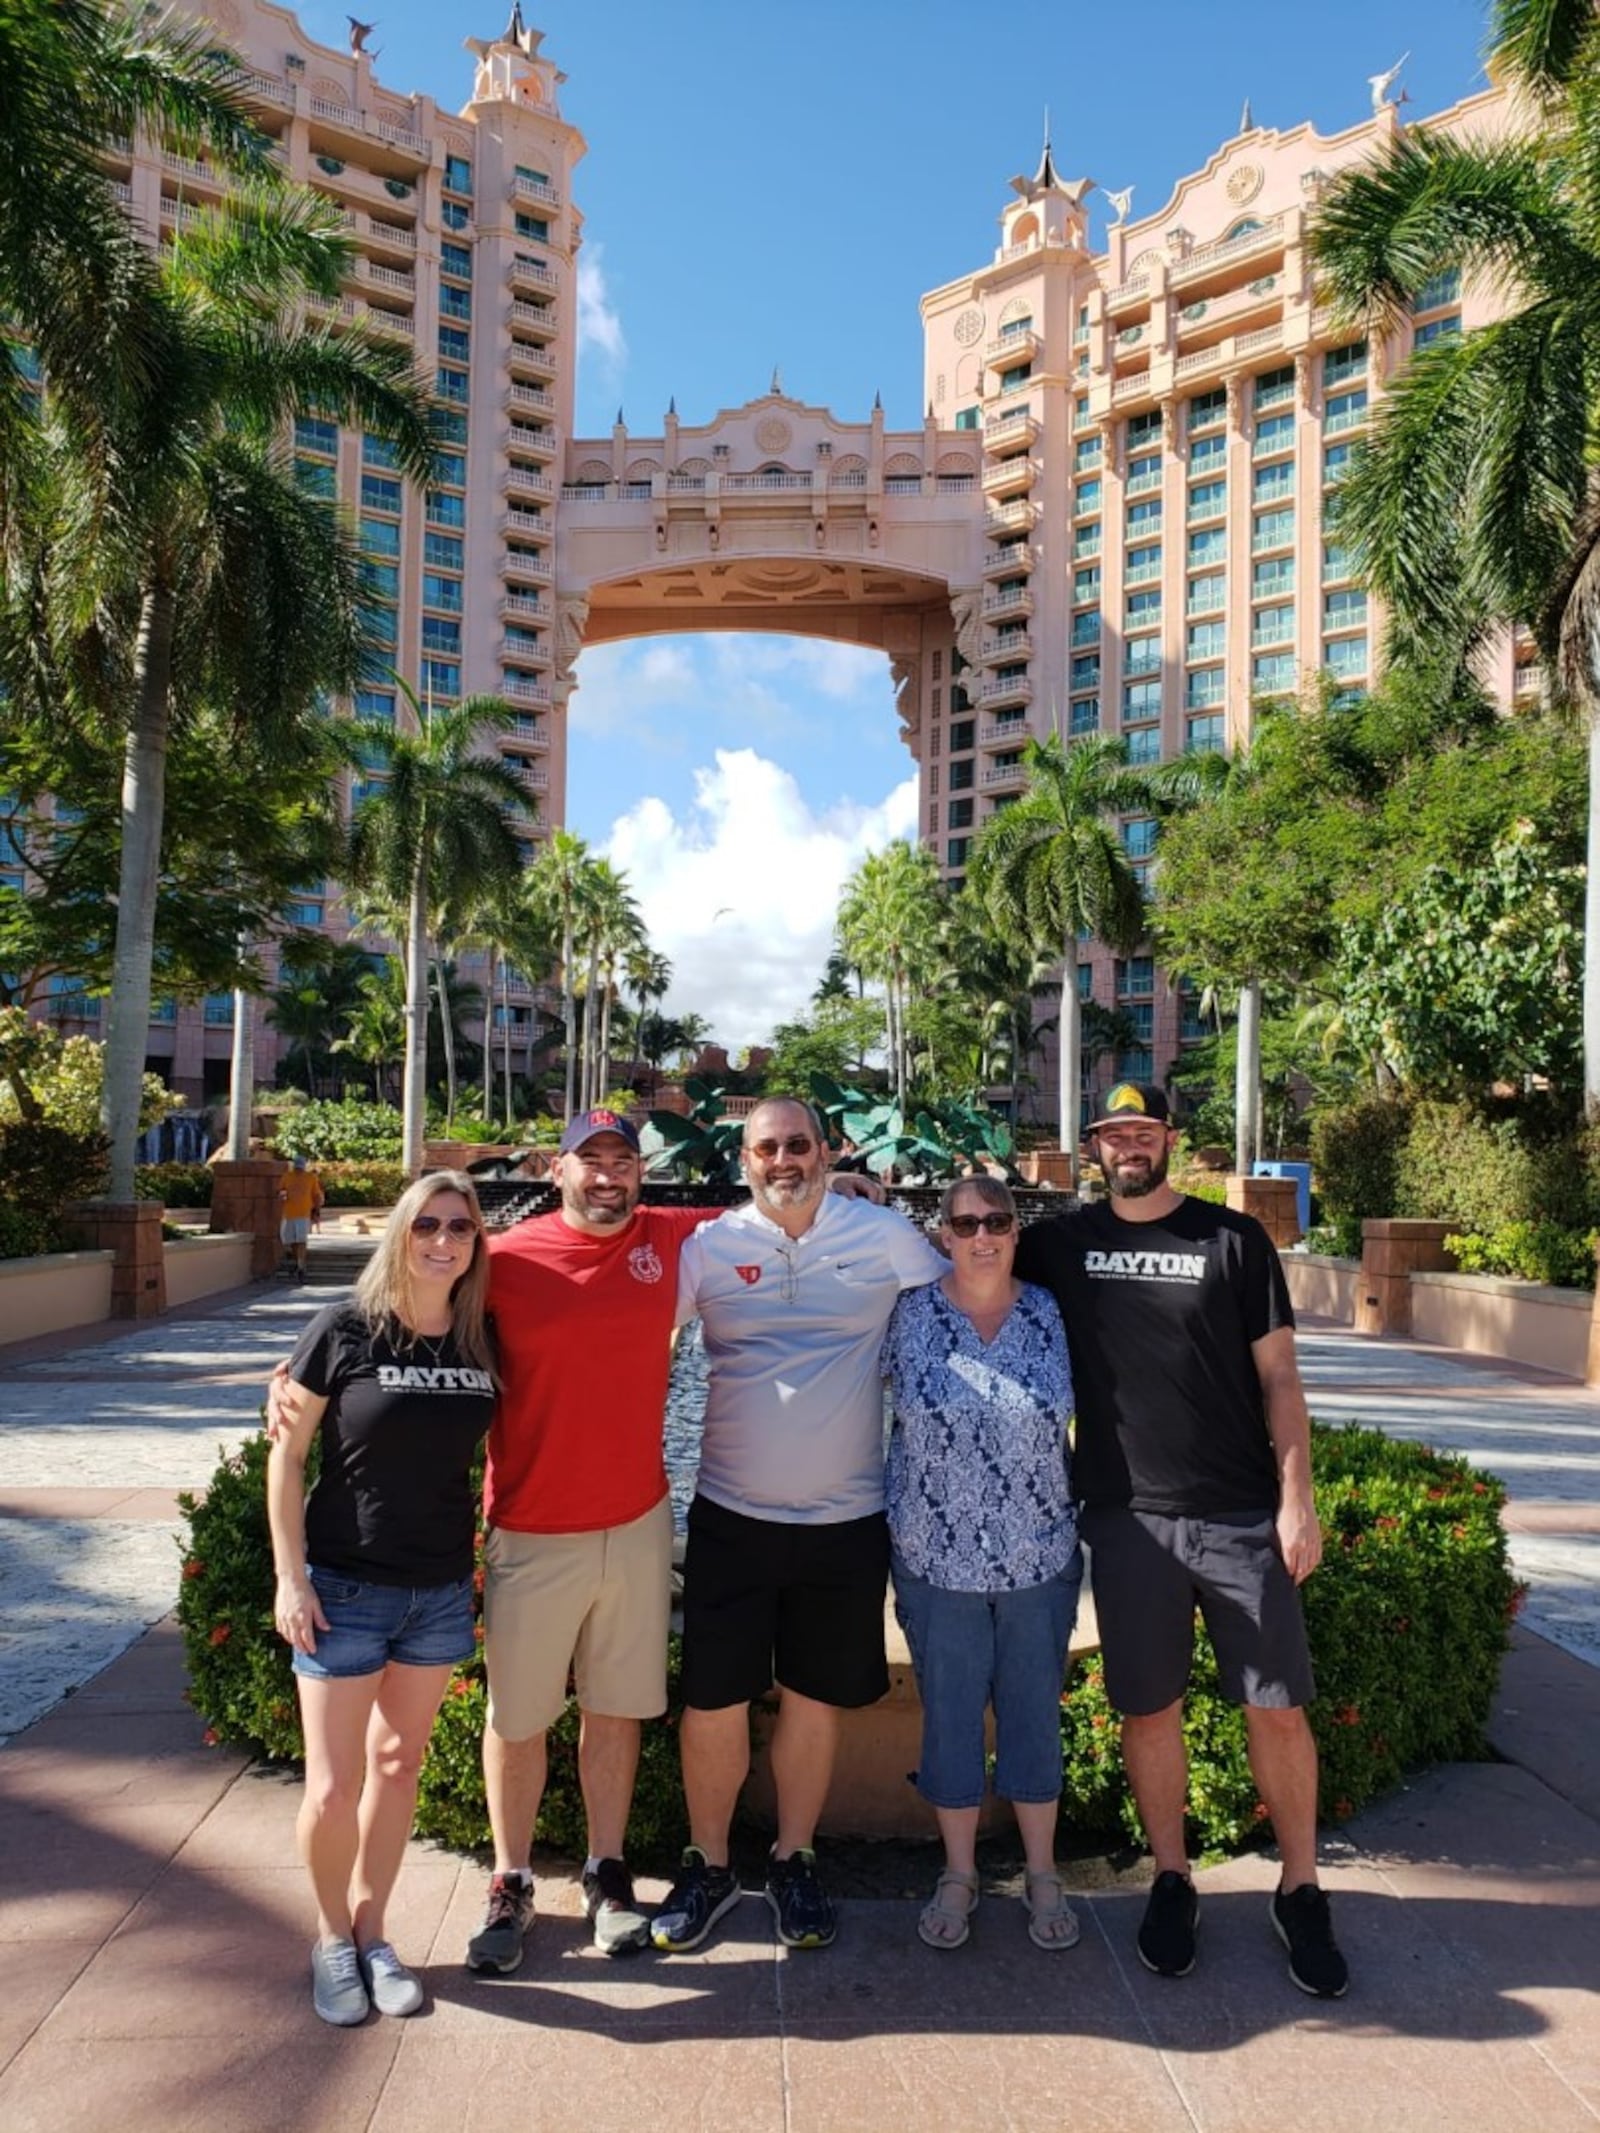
788, 1554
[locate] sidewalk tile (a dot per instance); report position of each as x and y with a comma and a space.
557, 2079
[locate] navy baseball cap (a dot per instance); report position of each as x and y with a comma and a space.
1133, 1099
588, 1123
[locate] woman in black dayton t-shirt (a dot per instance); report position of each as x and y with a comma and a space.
375, 1568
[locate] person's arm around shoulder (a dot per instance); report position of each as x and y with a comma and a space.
1289, 1426
295, 1608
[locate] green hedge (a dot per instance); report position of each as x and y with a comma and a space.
364, 1184
174, 1184
1408, 1617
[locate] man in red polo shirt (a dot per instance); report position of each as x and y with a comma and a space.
578, 1554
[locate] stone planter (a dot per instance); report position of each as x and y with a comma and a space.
54, 1293
205, 1266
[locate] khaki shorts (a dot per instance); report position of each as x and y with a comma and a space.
594, 1604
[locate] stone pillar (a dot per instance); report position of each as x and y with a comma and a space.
1273, 1201
132, 1230
1047, 1166
244, 1196
1391, 1252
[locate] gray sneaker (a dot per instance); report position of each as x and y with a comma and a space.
337, 1991
497, 1944
395, 1990
620, 1927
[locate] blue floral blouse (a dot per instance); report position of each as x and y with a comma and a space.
978, 1481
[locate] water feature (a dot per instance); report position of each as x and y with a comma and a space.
181, 1138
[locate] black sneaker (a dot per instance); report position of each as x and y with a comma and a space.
620, 1927
800, 1904
497, 1944
1302, 1921
1167, 1931
701, 1895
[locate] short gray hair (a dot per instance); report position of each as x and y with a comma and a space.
790, 1103
993, 1192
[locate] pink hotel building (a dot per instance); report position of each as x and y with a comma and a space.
1111, 519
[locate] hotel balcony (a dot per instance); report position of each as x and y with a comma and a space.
1018, 689
526, 445
536, 189
529, 400
527, 655
1002, 775
379, 321
1019, 517
525, 732
1227, 355
385, 236
1011, 477
327, 117
523, 481
1010, 557
532, 274
1127, 294
1009, 730
1227, 252
525, 569
395, 279
1004, 433
534, 318
1007, 646
524, 689
524, 607
1017, 604
533, 776
190, 172
523, 359
1010, 348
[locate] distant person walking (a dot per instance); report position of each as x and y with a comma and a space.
301, 1196
374, 1568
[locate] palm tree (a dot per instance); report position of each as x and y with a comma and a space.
891, 916
611, 925
648, 976
504, 925
319, 989
1476, 503
557, 873
435, 830
375, 1031
1051, 869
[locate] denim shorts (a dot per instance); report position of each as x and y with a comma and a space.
974, 1649
369, 1625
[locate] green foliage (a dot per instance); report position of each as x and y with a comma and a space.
25, 1235
1355, 1157
1407, 1618
58, 1080
242, 1684
174, 1184
361, 1184
1474, 975
832, 1040
937, 1141
350, 1131
44, 1166
1531, 1251
705, 1146
1482, 1170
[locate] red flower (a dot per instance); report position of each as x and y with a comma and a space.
460, 1688
222, 1632
211, 1737
194, 1569
1402, 1625
477, 1631
1343, 1810
1260, 1811
1349, 1716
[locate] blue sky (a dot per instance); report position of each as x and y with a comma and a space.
777, 186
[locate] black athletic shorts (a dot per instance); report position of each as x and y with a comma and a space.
765, 1601
1150, 1573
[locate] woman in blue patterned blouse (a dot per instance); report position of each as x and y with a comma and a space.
986, 1561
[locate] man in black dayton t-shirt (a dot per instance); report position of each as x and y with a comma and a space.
1193, 1461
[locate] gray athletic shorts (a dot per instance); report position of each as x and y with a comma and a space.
1151, 1572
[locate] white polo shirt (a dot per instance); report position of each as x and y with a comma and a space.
793, 1330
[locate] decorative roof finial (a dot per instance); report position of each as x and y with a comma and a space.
515, 28
776, 387
620, 423
1247, 122
672, 407
877, 403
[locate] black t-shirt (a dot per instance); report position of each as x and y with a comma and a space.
1161, 1318
393, 1501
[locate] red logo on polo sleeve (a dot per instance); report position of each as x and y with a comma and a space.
749, 1275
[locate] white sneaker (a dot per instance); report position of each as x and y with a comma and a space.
395, 1990
337, 1991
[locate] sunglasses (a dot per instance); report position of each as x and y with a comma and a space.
456, 1225
996, 1225
797, 1144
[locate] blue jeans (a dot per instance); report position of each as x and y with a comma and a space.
973, 1649
370, 1624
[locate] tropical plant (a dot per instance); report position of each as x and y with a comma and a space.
558, 874
647, 974
706, 1146
892, 916
433, 828
375, 1026
319, 989
934, 1142
1476, 503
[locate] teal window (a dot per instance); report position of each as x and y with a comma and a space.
1145, 428
1208, 454
1336, 563
379, 452
961, 736
1269, 580
1344, 411
455, 214
378, 536
1443, 289
1136, 976
1269, 484
380, 581
521, 640
448, 425
457, 174
1274, 388
450, 467
1144, 517
1084, 672
1346, 655
1087, 498
1273, 529
1144, 469
441, 592
1144, 746
1206, 640
314, 435
302, 914
1340, 365
1086, 539
959, 815
454, 302
439, 635
961, 776
1143, 607
1085, 717
539, 177
1272, 625
1086, 981
1086, 583
1208, 410
1204, 687
1141, 700
454, 343
1086, 627
452, 385
1205, 736
968, 418
535, 226
1208, 499
1211, 546
1142, 655
1336, 463
315, 478
1080, 409
443, 551
1013, 380
955, 852
440, 677
381, 624
1273, 674
1086, 452
1142, 564
456, 259
1438, 329
1139, 838
376, 704
218, 1011
379, 494
1206, 593
1345, 610
1274, 435
445, 509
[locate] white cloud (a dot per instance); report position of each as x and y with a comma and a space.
599, 323
654, 690
743, 893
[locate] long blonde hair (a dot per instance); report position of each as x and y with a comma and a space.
384, 1293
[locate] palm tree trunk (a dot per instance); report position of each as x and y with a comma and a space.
505, 1035
1071, 1077
144, 792
569, 1005
415, 1084
1591, 931
590, 1029
1247, 1080
447, 1036
488, 1038
241, 1079
604, 1075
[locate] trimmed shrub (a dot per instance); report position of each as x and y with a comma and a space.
242, 1685
25, 1234
361, 1184
351, 1131
1531, 1251
1484, 1171
1355, 1155
174, 1184
42, 1167
1407, 1616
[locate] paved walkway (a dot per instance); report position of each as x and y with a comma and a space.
153, 1925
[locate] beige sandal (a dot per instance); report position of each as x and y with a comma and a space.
1052, 1922
946, 1918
